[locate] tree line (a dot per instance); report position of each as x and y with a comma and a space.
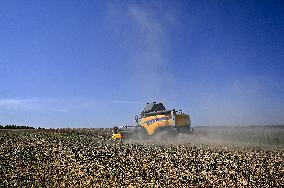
15, 127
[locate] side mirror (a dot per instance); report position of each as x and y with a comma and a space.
136, 119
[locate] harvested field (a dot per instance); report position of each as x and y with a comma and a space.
224, 157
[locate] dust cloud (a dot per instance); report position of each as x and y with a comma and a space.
257, 136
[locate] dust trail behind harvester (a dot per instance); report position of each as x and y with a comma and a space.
222, 136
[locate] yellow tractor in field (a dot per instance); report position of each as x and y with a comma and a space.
155, 119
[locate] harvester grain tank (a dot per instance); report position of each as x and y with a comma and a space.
153, 119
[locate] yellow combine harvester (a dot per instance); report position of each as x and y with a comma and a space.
154, 119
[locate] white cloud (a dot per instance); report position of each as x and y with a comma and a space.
143, 19
34, 104
149, 63
18, 103
52, 112
127, 102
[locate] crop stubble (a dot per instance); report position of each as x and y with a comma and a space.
228, 157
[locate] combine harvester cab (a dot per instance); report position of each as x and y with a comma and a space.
155, 119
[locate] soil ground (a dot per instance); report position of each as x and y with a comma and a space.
219, 157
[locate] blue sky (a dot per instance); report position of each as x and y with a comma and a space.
96, 63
